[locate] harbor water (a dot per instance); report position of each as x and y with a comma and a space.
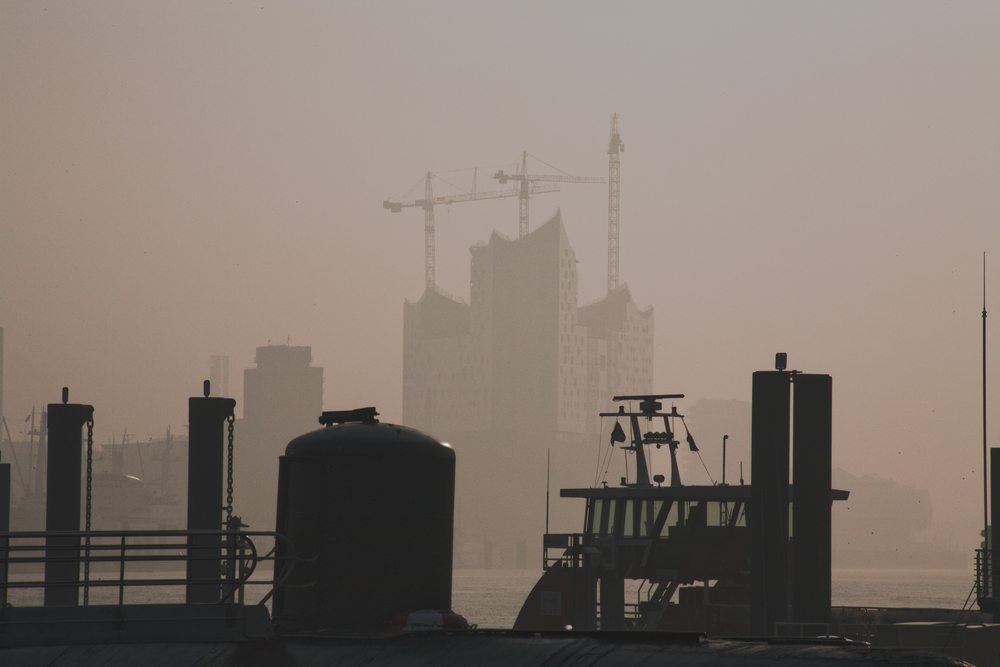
492, 598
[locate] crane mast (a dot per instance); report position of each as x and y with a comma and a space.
522, 201
428, 203
614, 182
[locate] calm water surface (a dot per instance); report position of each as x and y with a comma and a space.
492, 598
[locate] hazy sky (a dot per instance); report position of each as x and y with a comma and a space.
182, 179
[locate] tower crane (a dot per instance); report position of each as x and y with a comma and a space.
430, 201
527, 179
614, 181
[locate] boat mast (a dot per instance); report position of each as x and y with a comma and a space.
724, 438
986, 519
548, 472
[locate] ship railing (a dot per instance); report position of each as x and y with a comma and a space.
984, 573
571, 549
635, 618
25, 555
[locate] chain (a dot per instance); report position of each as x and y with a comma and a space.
90, 476
229, 478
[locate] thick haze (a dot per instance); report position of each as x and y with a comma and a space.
184, 179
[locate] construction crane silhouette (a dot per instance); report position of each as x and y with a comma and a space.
430, 201
614, 181
527, 179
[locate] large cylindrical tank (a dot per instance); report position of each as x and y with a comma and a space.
373, 505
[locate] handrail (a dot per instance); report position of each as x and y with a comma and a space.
571, 553
25, 548
132, 533
984, 565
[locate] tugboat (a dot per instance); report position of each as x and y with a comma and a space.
669, 537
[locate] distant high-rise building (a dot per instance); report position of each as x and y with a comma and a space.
282, 399
218, 375
520, 372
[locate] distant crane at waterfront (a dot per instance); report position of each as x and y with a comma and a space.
614, 182
527, 179
430, 201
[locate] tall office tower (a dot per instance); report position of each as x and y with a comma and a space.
218, 374
282, 399
517, 375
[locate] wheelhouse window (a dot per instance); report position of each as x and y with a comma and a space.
594, 516
628, 522
648, 513
647, 517
601, 517
639, 517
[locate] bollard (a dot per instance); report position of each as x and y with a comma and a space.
206, 451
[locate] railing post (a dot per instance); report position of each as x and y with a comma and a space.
235, 541
4, 527
231, 527
242, 566
121, 575
979, 588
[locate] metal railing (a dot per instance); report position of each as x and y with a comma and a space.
571, 549
984, 573
634, 616
23, 555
